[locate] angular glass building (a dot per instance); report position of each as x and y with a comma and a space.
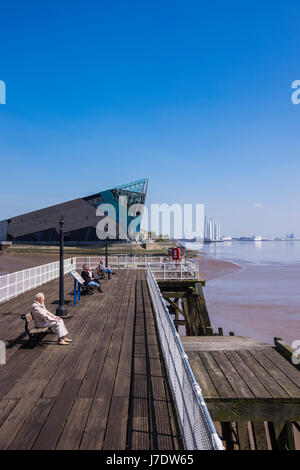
81, 217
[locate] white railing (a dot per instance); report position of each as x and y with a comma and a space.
197, 427
19, 282
118, 261
161, 267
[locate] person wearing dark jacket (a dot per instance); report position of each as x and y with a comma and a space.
88, 279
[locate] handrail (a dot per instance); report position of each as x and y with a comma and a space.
14, 284
17, 283
198, 429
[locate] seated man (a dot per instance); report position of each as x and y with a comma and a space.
101, 269
88, 279
42, 318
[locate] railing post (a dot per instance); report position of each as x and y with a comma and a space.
75, 293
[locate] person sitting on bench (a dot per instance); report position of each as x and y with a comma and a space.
43, 318
101, 269
88, 279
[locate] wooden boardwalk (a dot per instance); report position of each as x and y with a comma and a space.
107, 390
244, 380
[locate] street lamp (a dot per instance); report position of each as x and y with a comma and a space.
61, 310
106, 252
106, 242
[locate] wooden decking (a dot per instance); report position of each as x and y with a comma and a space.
243, 380
107, 390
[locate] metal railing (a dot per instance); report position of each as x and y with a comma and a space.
17, 283
197, 427
118, 261
160, 265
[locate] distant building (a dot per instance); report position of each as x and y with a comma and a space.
212, 231
41, 226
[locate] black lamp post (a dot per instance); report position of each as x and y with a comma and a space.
61, 310
106, 242
106, 252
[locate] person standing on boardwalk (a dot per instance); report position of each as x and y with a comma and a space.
42, 318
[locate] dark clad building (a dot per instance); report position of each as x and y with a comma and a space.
80, 217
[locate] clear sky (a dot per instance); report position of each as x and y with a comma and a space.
195, 95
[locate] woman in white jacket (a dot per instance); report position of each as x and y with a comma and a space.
42, 318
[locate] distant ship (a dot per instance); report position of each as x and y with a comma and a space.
255, 238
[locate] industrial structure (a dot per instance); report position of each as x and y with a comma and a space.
212, 231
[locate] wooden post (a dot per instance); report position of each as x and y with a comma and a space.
282, 436
209, 331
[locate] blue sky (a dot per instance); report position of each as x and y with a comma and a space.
194, 95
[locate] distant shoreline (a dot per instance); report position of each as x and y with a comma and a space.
213, 268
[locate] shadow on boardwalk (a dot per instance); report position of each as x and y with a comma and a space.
107, 390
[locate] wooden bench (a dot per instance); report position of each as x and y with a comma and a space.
34, 333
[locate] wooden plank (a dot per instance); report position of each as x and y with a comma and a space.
94, 369
116, 430
290, 387
259, 433
140, 441
203, 378
216, 343
243, 435
6, 407
165, 442
287, 367
96, 424
50, 433
158, 388
272, 386
247, 410
32, 425
72, 433
140, 415
14, 421
156, 367
237, 383
254, 384
220, 382
163, 423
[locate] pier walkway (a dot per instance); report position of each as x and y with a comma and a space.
106, 390
245, 383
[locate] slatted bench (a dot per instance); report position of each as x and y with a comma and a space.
35, 334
